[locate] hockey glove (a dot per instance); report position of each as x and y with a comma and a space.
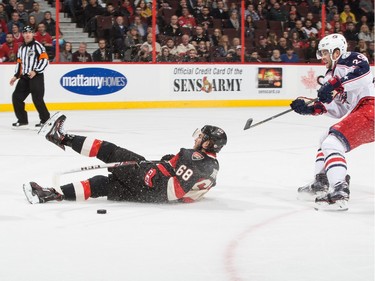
167, 157
325, 92
300, 106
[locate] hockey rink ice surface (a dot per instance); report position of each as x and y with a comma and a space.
250, 227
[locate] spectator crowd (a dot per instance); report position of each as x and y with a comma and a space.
194, 30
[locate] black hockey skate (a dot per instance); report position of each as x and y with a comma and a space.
36, 194
318, 187
335, 200
53, 129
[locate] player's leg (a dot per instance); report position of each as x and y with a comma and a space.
37, 94
79, 191
18, 99
103, 150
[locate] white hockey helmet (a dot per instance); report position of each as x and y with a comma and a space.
331, 43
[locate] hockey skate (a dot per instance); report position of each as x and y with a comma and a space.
318, 187
36, 194
53, 129
335, 200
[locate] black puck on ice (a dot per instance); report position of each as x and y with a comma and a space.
101, 211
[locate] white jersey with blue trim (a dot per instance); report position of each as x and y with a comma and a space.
354, 71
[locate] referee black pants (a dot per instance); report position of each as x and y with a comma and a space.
35, 87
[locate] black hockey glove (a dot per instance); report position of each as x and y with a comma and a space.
167, 157
300, 106
325, 92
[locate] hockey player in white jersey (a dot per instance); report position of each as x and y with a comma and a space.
348, 91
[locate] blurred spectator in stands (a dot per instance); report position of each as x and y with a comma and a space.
203, 51
336, 17
215, 37
283, 45
310, 52
81, 55
291, 22
133, 41
146, 12
365, 34
165, 56
32, 22
311, 17
319, 26
272, 39
37, 13
200, 36
234, 55
127, 9
348, 20
10, 8
3, 14
233, 21
250, 11
371, 51
254, 57
23, 15
185, 46
301, 31
66, 54
28, 5
142, 27
45, 39
263, 50
186, 19
220, 12
171, 46
198, 8
362, 20
17, 35
149, 44
144, 54
111, 11
331, 12
71, 7
9, 49
4, 26
347, 12
118, 33
289, 56
204, 18
337, 28
249, 27
138, 13
233, 7
191, 56
262, 12
361, 46
277, 14
275, 56
102, 54
315, 8
293, 10
15, 20
2, 35
296, 42
366, 8
173, 29
309, 29
50, 24
223, 47
91, 11
351, 33
235, 42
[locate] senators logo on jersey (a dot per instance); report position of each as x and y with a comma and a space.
196, 156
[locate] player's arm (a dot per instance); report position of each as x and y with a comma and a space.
360, 76
42, 58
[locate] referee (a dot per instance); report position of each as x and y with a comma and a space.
32, 60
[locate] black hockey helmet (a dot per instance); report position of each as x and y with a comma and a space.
216, 135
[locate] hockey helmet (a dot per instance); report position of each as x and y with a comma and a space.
214, 134
331, 43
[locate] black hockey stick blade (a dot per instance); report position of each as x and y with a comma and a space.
248, 123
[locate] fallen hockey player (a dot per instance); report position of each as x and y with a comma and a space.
184, 177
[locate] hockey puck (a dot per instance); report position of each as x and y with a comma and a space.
101, 211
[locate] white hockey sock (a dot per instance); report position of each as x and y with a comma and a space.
334, 161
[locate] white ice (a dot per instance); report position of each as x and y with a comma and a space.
250, 227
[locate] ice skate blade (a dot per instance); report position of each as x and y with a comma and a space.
340, 205
32, 198
45, 129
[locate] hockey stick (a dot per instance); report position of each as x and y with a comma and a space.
57, 176
249, 122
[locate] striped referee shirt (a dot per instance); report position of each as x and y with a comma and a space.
31, 57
